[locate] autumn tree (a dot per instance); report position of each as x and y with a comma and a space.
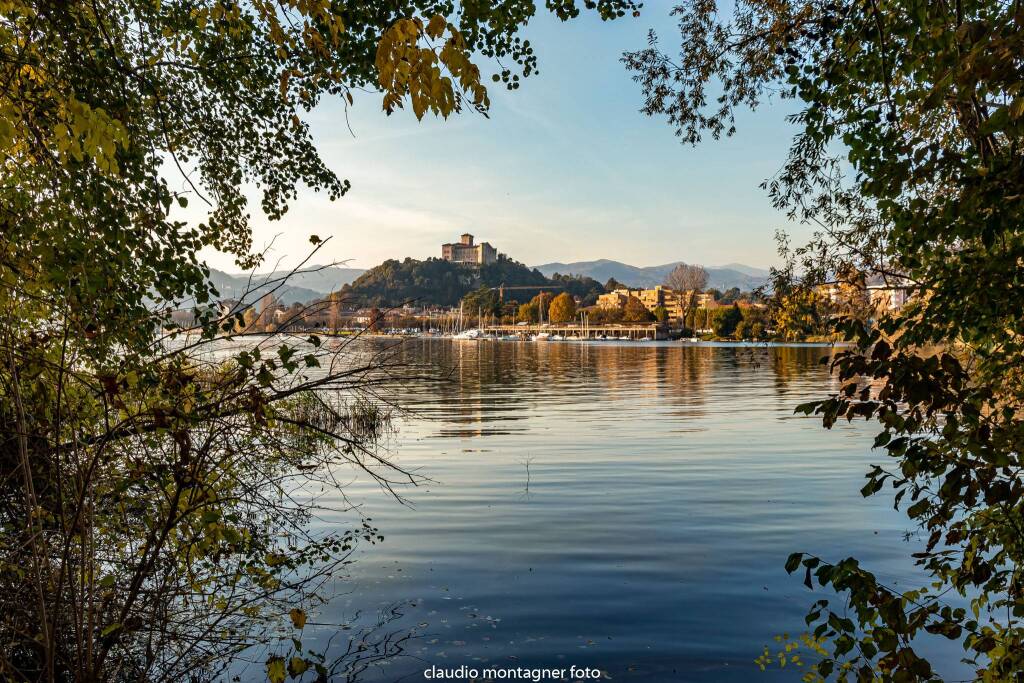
699, 319
509, 310
584, 289
482, 301
725, 320
798, 312
269, 306
634, 311
850, 296
249, 320
753, 324
540, 304
334, 311
562, 308
605, 314
687, 278
526, 313
907, 161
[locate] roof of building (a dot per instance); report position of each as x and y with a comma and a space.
880, 281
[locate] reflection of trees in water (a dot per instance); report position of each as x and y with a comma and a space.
675, 377
790, 363
381, 644
490, 382
488, 386
359, 648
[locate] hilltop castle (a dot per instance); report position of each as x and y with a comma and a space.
465, 252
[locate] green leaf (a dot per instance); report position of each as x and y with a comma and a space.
110, 629
918, 508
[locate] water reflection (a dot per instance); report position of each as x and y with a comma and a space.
485, 382
621, 506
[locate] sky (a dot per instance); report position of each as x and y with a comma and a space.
566, 168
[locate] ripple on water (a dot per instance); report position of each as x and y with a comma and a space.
627, 507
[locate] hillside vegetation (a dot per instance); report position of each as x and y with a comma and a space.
438, 282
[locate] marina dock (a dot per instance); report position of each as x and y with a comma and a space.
628, 331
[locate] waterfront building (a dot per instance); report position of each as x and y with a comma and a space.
674, 302
665, 297
882, 293
888, 293
466, 252
614, 299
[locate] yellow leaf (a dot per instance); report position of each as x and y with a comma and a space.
275, 670
1016, 108
297, 666
436, 26
298, 617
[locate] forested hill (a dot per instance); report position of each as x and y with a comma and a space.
438, 282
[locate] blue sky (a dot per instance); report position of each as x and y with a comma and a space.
565, 169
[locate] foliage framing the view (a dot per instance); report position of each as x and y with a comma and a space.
908, 160
147, 529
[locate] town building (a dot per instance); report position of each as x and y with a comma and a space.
675, 303
614, 299
880, 292
888, 293
705, 301
664, 297
466, 252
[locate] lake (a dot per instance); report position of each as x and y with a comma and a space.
613, 506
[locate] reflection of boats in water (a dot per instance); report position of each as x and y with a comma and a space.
472, 334
553, 334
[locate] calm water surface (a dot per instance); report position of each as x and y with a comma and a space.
627, 507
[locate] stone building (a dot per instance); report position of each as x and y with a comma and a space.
672, 301
466, 252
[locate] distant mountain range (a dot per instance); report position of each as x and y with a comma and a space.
721, 277
316, 282
306, 285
